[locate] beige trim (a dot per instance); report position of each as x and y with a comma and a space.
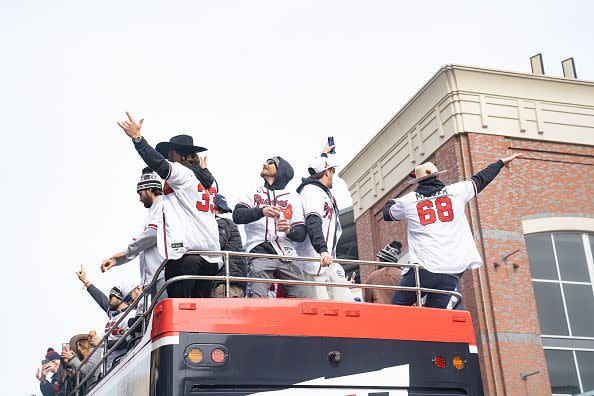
462, 99
548, 224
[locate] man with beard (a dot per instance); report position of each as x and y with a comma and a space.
187, 221
144, 246
273, 219
112, 305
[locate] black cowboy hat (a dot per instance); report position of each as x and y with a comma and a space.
179, 143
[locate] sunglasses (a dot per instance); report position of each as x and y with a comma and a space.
270, 162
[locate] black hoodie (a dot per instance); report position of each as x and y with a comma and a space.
313, 222
243, 214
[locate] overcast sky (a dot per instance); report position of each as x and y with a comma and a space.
247, 79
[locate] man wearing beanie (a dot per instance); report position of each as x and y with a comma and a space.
187, 221
144, 246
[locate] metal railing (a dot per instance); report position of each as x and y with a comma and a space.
227, 278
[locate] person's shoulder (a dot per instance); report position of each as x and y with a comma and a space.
409, 196
459, 186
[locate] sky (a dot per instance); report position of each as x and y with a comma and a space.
247, 79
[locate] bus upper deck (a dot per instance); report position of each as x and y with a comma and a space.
292, 347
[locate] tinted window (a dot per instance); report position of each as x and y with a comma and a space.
541, 257
580, 306
586, 364
571, 257
562, 372
550, 308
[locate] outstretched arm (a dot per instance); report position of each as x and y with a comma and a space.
486, 176
152, 158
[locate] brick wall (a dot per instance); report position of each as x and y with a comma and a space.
550, 179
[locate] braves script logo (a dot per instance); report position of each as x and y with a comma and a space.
260, 201
328, 210
288, 212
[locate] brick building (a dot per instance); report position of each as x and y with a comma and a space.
533, 301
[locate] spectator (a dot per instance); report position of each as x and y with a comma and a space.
230, 240
323, 228
144, 246
385, 276
130, 293
51, 365
187, 222
439, 237
79, 349
112, 305
273, 219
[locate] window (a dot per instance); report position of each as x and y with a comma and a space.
562, 272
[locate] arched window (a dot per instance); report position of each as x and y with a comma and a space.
562, 269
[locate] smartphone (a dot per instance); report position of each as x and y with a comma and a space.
44, 362
331, 143
65, 346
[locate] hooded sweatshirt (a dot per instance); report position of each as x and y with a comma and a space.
321, 222
439, 237
261, 232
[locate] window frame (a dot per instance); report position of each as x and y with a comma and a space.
587, 246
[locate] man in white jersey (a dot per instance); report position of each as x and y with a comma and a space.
149, 190
187, 221
439, 237
273, 219
323, 229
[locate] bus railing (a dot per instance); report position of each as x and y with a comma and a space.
228, 279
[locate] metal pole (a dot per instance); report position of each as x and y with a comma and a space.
418, 283
77, 381
104, 368
227, 282
144, 307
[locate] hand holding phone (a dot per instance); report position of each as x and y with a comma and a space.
331, 144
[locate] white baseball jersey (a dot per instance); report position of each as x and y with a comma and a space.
151, 259
316, 202
188, 216
439, 236
265, 229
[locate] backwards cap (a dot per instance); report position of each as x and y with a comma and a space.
320, 164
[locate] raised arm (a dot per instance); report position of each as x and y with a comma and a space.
151, 157
486, 176
146, 239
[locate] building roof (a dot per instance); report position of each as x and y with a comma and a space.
460, 99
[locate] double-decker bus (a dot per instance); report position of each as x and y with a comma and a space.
272, 347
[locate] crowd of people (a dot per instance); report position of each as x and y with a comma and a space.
186, 212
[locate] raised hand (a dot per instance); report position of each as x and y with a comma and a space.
508, 160
107, 264
131, 128
82, 275
203, 162
67, 355
38, 375
328, 148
